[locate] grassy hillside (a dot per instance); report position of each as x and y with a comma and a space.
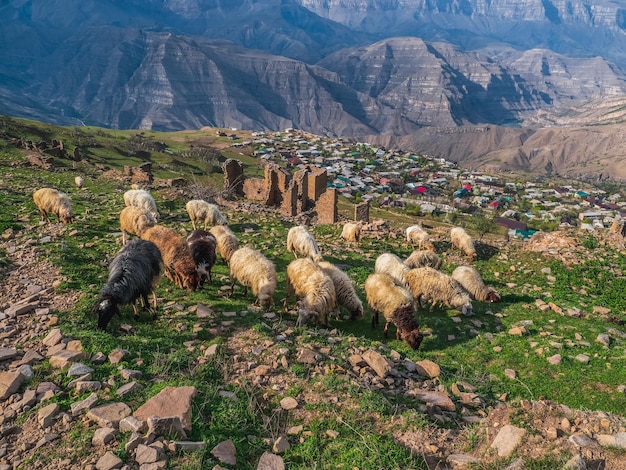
349, 420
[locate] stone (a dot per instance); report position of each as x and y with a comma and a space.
582, 358
128, 374
462, 460
167, 426
7, 353
63, 359
440, 399
307, 356
53, 338
171, 401
133, 424
225, 452
288, 403
377, 362
427, 368
109, 415
269, 461
510, 373
604, 339
519, 330
128, 388
211, 351
555, 360
281, 445
146, 454
507, 440
46, 415
77, 369
118, 355
575, 463
109, 461
103, 436
10, 383
581, 440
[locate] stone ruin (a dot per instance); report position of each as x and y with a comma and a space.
140, 174
292, 194
618, 226
362, 212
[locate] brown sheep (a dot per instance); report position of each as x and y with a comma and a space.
49, 200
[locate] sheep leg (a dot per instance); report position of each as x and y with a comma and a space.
374, 319
232, 286
193, 223
398, 334
386, 328
135, 310
124, 238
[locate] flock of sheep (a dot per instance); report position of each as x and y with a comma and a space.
397, 288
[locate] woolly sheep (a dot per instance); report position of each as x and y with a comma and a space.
142, 199
301, 242
473, 283
135, 221
438, 287
133, 273
251, 268
351, 232
421, 258
227, 242
179, 264
314, 289
49, 200
388, 263
416, 235
344, 289
396, 304
209, 214
202, 245
461, 240
79, 181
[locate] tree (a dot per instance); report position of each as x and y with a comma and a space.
484, 224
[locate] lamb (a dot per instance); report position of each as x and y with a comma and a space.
396, 304
439, 288
227, 242
133, 273
202, 245
251, 268
461, 240
344, 289
179, 264
416, 235
200, 210
420, 258
135, 221
314, 289
49, 200
388, 263
351, 232
142, 199
473, 283
301, 242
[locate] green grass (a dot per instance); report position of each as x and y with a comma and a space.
475, 349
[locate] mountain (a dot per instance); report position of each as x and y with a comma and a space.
389, 71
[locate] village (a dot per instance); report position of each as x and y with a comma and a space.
424, 184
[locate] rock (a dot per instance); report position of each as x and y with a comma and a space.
109, 415
458, 461
307, 356
428, 369
146, 454
10, 383
582, 358
377, 362
288, 403
118, 355
53, 338
109, 461
78, 407
555, 360
581, 440
65, 358
77, 369
103, 436
211, 351
47, 414
440, 399
510, 373
519, 330
128, 388
604, 339
171, 401
132, 424
225, 452
575, 463
295, 430
166, 426
507, 440
7, 353
281, 445
269, 461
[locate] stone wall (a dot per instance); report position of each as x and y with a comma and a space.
362, 212
326, 207
233, 177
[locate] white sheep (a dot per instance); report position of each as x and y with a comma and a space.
461, 240
314, 289
344, 289
396, 304
439, 288
351, 232
421, 258
51, 201
416, 235
227, 241
79, 181
135, 221
251, 268
301, 242
202, 211
390, 264
473, 283
142, 199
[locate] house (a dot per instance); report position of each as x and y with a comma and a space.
511, 224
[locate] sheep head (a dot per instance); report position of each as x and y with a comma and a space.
306, 316
493, 296
66, 216
105, 309
413, 338
357, 313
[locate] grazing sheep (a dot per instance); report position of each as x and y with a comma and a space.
251, 268
202, 245
142, 199
351, 232
79, 181
135, 221
179, 264
388, 263
50, 200
202, 211
314, 289
344, 289
227, 241
133, 273
421, 258
416, 235
461, 240
396, 304
438, 287
473, 283
301, 242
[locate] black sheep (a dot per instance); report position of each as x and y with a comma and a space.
133, 273
202, 245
